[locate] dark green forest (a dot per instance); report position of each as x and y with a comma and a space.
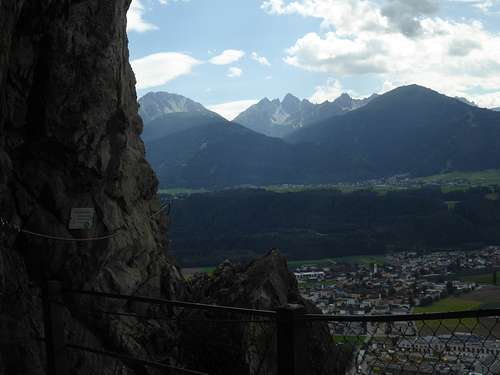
240, 224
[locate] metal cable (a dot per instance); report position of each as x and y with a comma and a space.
208, 320
6, 224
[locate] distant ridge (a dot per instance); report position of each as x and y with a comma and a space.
164, 113
277, 118
410, 130
157, 104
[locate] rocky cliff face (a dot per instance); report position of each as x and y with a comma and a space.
69, 138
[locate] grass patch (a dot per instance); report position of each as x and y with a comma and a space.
181, 191
484, 278
465, 180
350, 340
450, 304
314, 263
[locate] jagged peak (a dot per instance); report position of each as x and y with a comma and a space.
290, 98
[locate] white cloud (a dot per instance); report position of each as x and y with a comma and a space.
347, 16
335, 54
260, 59
234, 72
485, 5
232, 109
135, 15
160, 68
135, 18
228, 56
399, 42
330, 91
491, 100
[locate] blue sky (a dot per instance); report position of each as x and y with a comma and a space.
227, 54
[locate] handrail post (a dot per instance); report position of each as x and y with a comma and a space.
291, 339
53, 317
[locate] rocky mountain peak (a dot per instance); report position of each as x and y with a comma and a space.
290, 103
344, 101
156, 104
280, 118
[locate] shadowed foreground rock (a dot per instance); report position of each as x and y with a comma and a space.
266, 284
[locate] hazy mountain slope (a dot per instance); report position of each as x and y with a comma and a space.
223, 154
157, 104
164, 113
409, 130
497, 109
175, 122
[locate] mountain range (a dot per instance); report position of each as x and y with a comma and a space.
164, 113
279, 118
410, 130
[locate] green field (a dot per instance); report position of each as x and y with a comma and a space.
487, 297
450, 304
465, 180
483, 278
449, 182
181, 191
316, 263
350, 340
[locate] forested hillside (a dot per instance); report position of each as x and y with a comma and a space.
238, 224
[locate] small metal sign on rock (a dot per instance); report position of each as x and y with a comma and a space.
81, 218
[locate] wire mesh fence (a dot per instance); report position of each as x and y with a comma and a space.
221, 340
432, 344
203, 339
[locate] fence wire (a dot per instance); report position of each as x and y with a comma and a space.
221, 340
469, 346
206, 342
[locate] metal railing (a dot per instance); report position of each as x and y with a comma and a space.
218, 339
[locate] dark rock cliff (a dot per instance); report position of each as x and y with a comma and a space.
69, 137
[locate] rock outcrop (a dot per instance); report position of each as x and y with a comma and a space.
263, 284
